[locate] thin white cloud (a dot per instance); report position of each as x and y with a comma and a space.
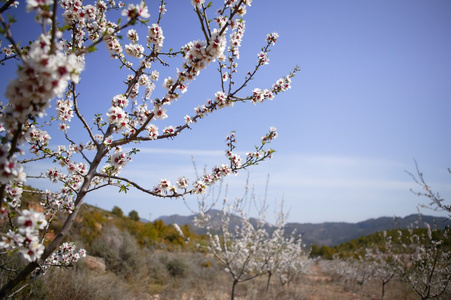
314, 187
193, 152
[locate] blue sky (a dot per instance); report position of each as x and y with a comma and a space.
373, 94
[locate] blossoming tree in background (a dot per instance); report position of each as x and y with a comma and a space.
435, 201
49, 74
418, 256
250, 247
381, 261
422, 258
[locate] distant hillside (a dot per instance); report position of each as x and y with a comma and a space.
333, 233
189, 220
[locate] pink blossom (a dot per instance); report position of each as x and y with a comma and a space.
182, 183
31, 221
135, 11
155, 36
197, 3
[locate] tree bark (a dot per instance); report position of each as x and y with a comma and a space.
232, 296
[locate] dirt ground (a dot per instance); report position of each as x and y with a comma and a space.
316, 285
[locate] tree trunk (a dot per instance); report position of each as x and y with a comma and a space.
22, 276
269, 280
232, 296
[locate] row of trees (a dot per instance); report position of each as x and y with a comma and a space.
49, 71
419, 255
249, 247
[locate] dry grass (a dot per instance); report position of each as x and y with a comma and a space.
312, 286
193, 276
133, 272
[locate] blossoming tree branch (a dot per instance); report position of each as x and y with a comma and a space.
47, 81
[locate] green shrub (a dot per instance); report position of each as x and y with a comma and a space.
177, 268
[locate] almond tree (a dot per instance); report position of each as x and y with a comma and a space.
421, 257
436, 202
429, 273
382, 264
293, 261
284, 256
249, 248
336, 267
49, 74
235, 242
360, 271
424, 261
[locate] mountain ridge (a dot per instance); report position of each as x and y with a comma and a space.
334, 233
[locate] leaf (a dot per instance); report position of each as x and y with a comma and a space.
11, 19
64, 28
123, 188
91, 49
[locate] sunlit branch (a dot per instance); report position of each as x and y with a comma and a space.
142, 189
80, 117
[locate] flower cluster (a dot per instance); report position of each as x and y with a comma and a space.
179, 230
119, 101
272, 38
66, 255
13, 194
37, 139
258, 95
117, 161
54, 174
152, 131
134, 11
282, 85
197, 3
236, 37
65, 111
221, 100
235, 159
263, 58
54, 202
155, 36
26, 237
200, 186
10, 50
163, 187
10, 169
199, 54
42, 77
132, 35
182, 183
134, 50
270, 136
170, 130
117, 116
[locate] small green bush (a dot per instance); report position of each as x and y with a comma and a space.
177, 268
